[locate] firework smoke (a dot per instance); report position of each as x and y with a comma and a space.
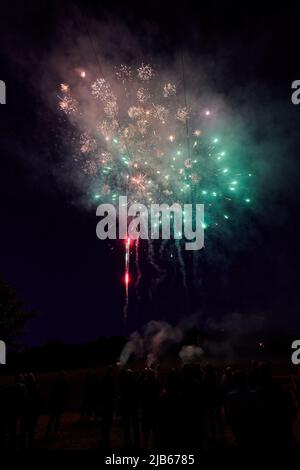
220, 338
190, 353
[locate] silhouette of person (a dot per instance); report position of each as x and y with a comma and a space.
16, 399
57, 404
213, 401
276, 411
227, 386
129, 407
166, 431
108, 404
191, 410
3, 416
93, 397
86, 397
31, 412
149, 398
242, 411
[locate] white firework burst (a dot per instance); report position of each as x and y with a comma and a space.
128, 132
160, 113
124, 73
101, 90
87, 143
90, 168
107, 128
64, 88
145, 72
182, 113
143, 95
111, 109
68, 105
188, 163
169, 90
135, 112
142, 125
104, 158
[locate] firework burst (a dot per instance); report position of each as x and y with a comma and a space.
145, 142
145, 72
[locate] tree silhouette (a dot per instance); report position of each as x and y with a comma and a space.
13, 315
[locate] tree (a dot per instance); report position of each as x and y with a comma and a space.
13, 315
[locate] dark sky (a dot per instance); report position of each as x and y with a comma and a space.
48, 248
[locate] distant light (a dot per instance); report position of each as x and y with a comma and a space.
248, 200
126, 279
207, 112
171, 138
82, 74
97, 196
64, 87
216, 140
226, 216
225, 170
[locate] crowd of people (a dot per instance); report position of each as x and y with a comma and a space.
189, 407
19, 412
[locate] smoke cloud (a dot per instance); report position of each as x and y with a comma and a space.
191, 353
220, 338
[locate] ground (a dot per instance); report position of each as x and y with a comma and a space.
75, 435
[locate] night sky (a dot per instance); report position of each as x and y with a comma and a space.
48, 247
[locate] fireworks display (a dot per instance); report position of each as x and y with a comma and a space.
146, 144
140, 138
